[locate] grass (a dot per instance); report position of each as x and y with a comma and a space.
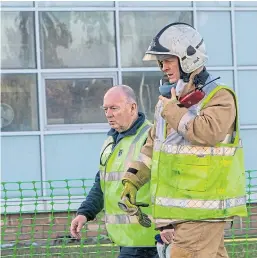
65, 251
243, 249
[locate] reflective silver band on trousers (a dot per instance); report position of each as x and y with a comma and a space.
201, 204
194, 150
121, 219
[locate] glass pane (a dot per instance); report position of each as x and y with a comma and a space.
245, 3
146, 87
17, 3
207, 24
249, 138
60, 160
155, 3
74, 3
20, 158
247, 96
77, 39
246, 40
76, 101
226, 77
17, 40
213, 3
19, 104
137, 30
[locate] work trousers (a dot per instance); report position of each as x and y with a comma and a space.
199, 240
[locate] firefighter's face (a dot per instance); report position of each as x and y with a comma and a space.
170, 67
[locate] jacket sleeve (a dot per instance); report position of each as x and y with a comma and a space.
211, 126
94, 202
139, 171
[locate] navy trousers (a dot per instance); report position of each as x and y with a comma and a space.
138, 252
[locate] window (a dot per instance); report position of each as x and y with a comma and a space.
217, 37
77, 39
226, 77
212, 3
17, 40
75, 3
73, 155
247, 97
249, 138
76, 100
155, 3
245, 3
19, 110
20, 161
137, 30
16, 3
146, 87
246, 38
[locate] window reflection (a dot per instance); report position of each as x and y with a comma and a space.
17, 40
137, 30
76, 101
146, 87
19, 110
77, 39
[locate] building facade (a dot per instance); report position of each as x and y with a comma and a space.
59, 58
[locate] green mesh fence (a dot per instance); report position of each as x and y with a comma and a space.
36, 217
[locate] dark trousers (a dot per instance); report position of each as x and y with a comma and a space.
138, 252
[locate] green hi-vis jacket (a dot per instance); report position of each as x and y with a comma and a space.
124, 230
191, 182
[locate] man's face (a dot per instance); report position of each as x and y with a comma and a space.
118, 110
170, 66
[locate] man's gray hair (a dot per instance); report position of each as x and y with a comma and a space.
128, 92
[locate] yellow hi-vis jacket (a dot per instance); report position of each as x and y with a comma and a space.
124, 230
191, 182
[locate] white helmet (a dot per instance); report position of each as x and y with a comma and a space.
181, 40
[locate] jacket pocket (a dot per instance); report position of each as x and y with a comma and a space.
192, 173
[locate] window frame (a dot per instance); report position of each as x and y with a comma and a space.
43, 59
34, 99
73, 128
33, 35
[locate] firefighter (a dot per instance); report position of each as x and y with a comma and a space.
193, 154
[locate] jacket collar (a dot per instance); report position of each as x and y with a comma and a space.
131, 131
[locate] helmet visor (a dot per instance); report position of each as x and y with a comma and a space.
159, 57
149, 57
